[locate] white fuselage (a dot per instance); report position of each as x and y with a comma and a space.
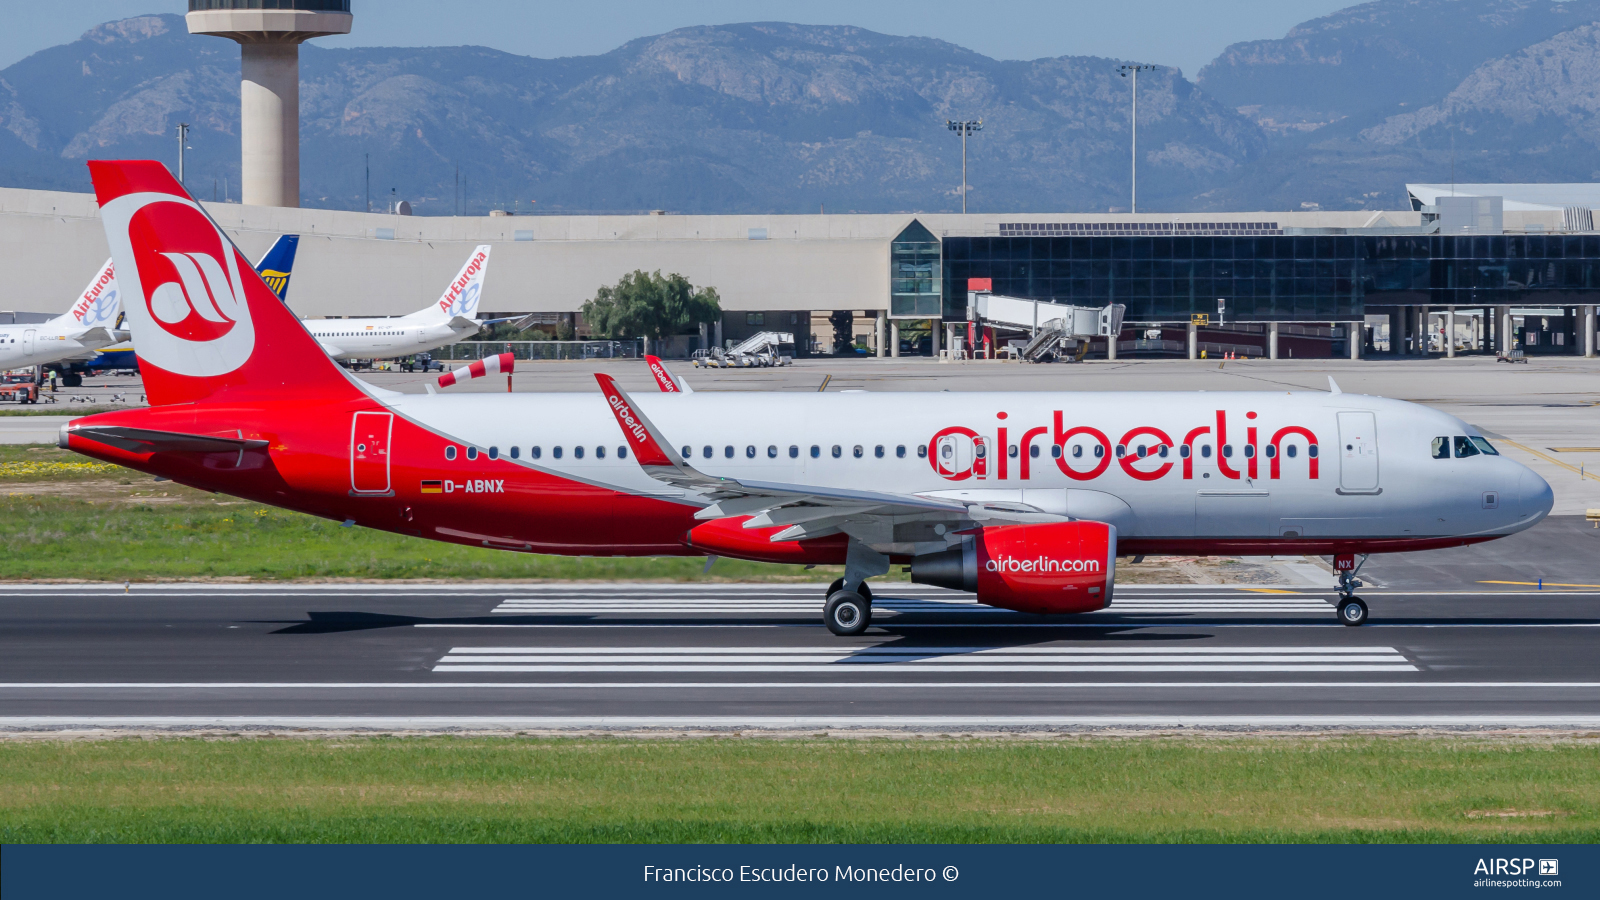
1376, 477
383, 338
48, 342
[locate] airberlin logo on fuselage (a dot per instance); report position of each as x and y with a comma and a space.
1144, 453
456, 301
1042, 564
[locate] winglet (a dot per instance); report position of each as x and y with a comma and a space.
649, 447
663, 377
1333, 386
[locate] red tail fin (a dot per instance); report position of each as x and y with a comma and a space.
202, 319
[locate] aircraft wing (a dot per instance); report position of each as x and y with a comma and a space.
808, 511
145, 440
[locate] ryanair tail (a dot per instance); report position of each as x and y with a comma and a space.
460, 299
278, 264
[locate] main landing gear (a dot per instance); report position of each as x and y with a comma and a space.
1352, 610
848, 611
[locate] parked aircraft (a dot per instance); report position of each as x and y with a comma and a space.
452, 318
87, 326
668, 382
1025, 499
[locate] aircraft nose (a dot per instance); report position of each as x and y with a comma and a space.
1535, 496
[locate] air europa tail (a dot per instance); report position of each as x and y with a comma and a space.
97, 306
460, 299
201, 318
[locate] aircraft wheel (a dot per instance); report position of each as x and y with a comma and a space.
1353, 611
847, 613
865, 590
72, 380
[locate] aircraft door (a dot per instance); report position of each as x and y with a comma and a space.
1358, 451
27, 341
954, 455
369, 453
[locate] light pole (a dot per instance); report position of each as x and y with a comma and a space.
964, 129
183, 144
1123, 71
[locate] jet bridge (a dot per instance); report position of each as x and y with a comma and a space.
1054, 329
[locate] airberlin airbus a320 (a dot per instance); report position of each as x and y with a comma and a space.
1025, 499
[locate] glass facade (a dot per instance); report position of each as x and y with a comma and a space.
914, 282
1317, 278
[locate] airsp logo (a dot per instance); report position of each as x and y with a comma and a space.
188, 311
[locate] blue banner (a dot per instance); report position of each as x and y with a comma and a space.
1113, 871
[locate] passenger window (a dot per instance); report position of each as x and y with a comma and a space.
878, 451
1311, 451
1143, 451
516, 453
1162, 451
750, 451
922, 451
1272, 452
599, 453
856, 452
1291, 450
1055, 451
1122, 451
983, 451
1441, 448
450, 452
472, 453
838, 451
1481, 444
1033, 450
1012, 451
772, 451
794, 452
1464, 447
1077, 451
815, 451
494, 452
688, 452
555, 452
1249, 451
622, 452
1227, 451
577, 452
1099, 450
706, 451
900, 451
534, 451
727, 452
1184, 451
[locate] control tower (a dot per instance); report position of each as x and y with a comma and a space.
269, 33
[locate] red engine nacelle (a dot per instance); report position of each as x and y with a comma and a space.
1062, 567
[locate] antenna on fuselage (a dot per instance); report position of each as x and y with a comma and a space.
1333, 386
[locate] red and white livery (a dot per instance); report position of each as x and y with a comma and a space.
1026, 499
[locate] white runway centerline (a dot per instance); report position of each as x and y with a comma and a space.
806, 601
902, 660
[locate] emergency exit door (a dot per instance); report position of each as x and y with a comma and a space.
1358, 452
369, 452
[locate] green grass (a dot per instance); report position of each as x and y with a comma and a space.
442, 789
59, 409
54, 537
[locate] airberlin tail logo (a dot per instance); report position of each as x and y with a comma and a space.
187, 303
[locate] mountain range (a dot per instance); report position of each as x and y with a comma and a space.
774, 117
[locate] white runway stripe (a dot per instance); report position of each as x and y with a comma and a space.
809, 605
890, 660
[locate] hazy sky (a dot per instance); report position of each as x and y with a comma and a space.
1184, 33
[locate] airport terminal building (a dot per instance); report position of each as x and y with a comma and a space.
1513, 262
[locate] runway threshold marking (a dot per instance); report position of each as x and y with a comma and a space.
893, 660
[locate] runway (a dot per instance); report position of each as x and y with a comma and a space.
750, 656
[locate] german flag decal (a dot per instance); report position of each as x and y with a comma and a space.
433, 487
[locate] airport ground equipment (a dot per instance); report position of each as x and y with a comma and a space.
1055, 329
759, 350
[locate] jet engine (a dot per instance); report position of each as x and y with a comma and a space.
1061, 567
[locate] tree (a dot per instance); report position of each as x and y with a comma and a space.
650, 306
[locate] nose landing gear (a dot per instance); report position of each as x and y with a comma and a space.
1352, 610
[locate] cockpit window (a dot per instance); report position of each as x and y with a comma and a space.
1464, 447
1484, 445
1441, 448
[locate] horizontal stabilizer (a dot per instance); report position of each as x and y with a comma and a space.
462, 323
145, 440
97, 336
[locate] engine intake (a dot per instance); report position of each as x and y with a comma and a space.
1062, 567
